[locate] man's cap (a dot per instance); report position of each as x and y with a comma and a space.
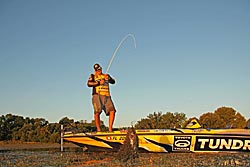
97, 67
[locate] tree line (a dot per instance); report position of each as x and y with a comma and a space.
223, 117
18, 128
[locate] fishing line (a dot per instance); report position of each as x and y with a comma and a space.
117, 48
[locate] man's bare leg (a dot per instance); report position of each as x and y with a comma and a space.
111, 120
97, 122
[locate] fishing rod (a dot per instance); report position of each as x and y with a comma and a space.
117, 48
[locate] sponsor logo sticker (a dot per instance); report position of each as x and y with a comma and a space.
182, 143
220, 143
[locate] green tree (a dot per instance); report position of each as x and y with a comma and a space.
3, 128
10, 125
66, 121
26, 132
18, 124
211, 120
55, 138
248, 124
40, 122
173, 120
151, 122
230, 118
54, 130
161, 121
223, 117
227, 115
239, 121
13, 127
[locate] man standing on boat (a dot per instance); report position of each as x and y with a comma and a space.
101, 98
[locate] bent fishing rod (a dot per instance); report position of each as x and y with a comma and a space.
117, 48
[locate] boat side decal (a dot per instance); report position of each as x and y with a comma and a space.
209, 143
167, 147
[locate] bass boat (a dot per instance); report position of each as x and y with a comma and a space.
191, 139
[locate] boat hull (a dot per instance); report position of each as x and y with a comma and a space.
167, 140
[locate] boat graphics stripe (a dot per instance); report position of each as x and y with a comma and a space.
167, 147
111, 144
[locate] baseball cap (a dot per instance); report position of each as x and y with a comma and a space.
97, 67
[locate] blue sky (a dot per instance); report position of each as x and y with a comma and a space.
191, 57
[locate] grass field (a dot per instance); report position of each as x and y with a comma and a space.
41, 155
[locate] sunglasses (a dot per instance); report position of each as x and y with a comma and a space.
99, 69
